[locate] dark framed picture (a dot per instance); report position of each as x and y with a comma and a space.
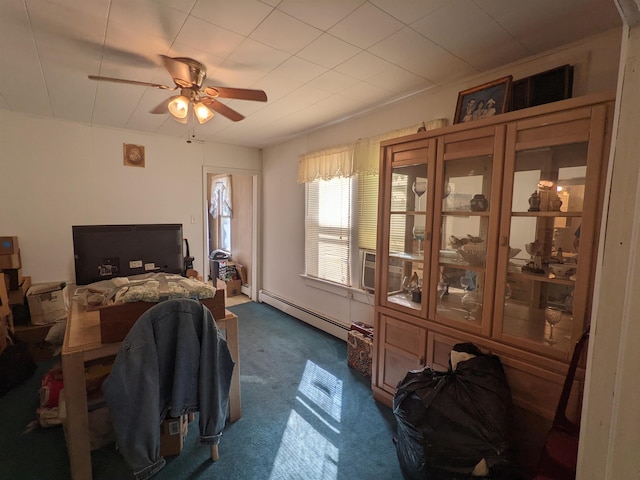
483, 101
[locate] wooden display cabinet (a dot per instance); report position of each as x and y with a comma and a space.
497, 263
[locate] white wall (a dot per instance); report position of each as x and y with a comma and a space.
609, 435
596, 64
55, 174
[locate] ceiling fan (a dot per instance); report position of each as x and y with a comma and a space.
188, 75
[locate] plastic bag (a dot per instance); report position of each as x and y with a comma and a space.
452, 423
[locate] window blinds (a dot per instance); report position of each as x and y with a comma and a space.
328, 229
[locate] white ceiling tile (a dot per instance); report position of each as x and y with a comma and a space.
296, 70
481, 41
21, 81
258, 55
69, 19
328, 51
543, 24
418, 55
408, 11
70, 94
298, 99
232, 74
377, 25
321, 14
363, 66
148, 17
184, 6
285, 33
209, 38
363, 93
240, 16
333, 81
115, 113
395, 79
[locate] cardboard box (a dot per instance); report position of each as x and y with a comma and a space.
47, 302
359, 352
8, 245
232, 287
173, 432
242, 272
13, 277
33, 336
10, 261
116, 320
20, 314
4, 333
18, 297
4, 299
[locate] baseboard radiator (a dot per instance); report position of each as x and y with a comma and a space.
322, 322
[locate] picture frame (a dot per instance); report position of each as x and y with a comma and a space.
491, 97
133, 155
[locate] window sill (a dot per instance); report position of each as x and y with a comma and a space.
351, 293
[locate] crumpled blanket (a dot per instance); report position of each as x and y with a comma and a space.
151, 287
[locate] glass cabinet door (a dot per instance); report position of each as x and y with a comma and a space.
544, 267
407, 225
467, 213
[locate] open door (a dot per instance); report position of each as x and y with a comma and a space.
231, 221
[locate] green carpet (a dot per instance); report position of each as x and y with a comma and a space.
305, 415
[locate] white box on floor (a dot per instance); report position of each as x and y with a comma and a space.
47, 302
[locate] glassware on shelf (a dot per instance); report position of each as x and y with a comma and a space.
418, 234
471, 303
552, 316
419, 187
443, 291
507, 292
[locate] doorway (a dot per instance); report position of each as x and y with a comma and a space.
231, 221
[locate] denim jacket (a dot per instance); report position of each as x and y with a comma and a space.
172, 361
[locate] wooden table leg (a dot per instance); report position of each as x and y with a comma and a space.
77, 417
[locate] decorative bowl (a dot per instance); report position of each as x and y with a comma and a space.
562, 269
472, 254
514, 251
533, 248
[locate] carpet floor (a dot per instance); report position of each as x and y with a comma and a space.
305, 415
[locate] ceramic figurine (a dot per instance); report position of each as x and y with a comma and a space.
479, 203
534, 202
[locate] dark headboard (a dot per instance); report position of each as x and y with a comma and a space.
102, 252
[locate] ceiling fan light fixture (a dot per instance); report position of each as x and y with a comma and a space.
203, 113
179, 107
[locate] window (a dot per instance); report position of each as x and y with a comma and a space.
334, 233
328, 229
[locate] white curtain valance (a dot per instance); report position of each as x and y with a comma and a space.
326, 164
361, 157
366, 158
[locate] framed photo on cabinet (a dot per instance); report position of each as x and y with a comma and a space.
483, 101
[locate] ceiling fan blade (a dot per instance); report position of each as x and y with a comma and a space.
178, 70
163, 107
130, 82
222, 109
237, 93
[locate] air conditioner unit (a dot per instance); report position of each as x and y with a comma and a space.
369, 273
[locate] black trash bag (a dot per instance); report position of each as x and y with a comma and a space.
448, 422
